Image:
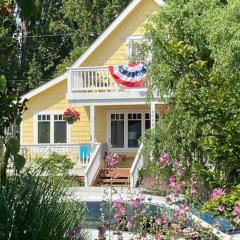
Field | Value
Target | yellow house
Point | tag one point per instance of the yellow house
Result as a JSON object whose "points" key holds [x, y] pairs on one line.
{"points": [[112, 117]]}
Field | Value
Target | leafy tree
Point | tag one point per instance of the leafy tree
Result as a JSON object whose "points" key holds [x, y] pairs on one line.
{"points": [[196, 62], [48, 33]]}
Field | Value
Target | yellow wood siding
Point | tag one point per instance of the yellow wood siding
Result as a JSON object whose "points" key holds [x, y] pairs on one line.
{"points": [[54, 99], [114, 49]]}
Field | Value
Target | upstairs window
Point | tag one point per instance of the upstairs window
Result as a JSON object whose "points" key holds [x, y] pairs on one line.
{"points": [[51, 128], [134, 49]]}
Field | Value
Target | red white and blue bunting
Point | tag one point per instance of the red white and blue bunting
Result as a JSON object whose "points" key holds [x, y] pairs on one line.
{"points": [[131, 75]]}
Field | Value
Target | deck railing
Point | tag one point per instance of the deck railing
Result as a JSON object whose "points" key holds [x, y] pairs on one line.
{"points": [[93, 167], [91, 79], [80, 154], [137, 165]]}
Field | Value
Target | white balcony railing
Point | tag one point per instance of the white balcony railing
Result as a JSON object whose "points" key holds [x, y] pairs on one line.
{"points": [[80, 154], [91, 79]]}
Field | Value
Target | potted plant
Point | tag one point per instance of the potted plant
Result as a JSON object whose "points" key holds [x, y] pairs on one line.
{"points": [[71, 116]]}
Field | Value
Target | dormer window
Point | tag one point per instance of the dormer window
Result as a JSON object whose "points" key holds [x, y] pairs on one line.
{"points": [[133, 49]]}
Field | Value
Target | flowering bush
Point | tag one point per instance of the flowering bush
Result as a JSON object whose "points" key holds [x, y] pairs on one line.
{"points": [[225, 204], [71, 115], [112, 161]]}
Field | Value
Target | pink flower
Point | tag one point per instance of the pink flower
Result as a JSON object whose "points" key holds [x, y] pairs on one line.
{"points": [[181, 172], [130, 223], [118, 203], [122, 210], [158, 237], [236, 210], [175, 164], [172, 184], [137, 201], [158, 221], [216, 193], [178, 188], [172, 178], [221, 208], [193, 191], [112, 161], [180, 211], [118, 216], [164, 159]]}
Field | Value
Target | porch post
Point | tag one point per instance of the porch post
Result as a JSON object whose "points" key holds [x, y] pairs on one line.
{"points": [[153, 122], [153, 115], [92, 123]]}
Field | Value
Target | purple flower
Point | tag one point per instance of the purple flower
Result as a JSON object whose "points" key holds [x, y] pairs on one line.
{"points": [[236, 210], [101, 232], [72, 232], [164, 159], [216, 193]]}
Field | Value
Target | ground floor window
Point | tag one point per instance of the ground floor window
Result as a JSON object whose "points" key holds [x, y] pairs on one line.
{"points": [[127, 128], [51, 128]]}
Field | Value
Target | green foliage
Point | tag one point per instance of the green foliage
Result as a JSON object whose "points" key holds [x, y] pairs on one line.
{"points": [[86, 20], [11, 112], [34, 209], [57, 164], [49, 36], [195, 61], [229, 201]]}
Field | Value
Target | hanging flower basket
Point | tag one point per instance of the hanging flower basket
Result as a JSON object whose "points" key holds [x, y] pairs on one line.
{"points": [[71, 116]]}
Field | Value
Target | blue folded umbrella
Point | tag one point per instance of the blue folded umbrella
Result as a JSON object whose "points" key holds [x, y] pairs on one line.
{"points": [[84, 152]]}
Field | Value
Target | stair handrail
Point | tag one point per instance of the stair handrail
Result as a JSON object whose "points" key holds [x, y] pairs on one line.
{"points": [[93, 166], [137, 165]]}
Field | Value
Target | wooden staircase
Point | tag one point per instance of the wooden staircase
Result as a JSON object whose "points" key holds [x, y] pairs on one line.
{"points": [[116, 177]]}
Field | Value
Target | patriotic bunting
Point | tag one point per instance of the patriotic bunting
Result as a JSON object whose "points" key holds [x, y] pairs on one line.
{"points": [[131, 75]]}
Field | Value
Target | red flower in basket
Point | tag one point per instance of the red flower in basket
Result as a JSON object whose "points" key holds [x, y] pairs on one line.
{"points": [[71, 116]]}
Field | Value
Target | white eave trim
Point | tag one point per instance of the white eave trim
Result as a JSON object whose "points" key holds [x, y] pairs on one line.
{"points": [[44, 86], [108, 31], [90, 50]]}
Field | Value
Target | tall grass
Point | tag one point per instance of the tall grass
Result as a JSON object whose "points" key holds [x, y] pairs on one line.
{"points": [[37, 211]]}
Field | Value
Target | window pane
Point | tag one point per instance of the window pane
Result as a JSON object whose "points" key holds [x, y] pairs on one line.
{"points": [[117, 134], [134, 133], [147, 124], [43, 132], [60, 132]]}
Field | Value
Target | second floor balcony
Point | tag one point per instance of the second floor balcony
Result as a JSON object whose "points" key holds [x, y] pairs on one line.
{"points": [[97, 83]]}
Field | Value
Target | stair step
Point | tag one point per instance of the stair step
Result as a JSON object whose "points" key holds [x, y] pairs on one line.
{"points": [[115, 180], [110, 175]]}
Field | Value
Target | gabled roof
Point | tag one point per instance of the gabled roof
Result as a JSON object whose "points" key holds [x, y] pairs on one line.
{"points": [[91, 49]]}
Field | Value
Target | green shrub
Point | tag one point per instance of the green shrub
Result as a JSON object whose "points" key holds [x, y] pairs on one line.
{"points": [[227, 201], [32, 208], [57, 164]]}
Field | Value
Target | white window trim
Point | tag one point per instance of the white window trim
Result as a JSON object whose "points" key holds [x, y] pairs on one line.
{"points": [[132, 38], [125, 112], [51, 113]]}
